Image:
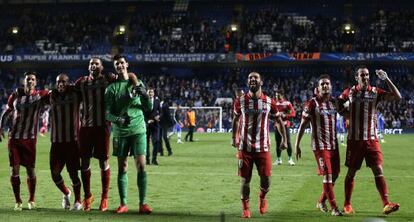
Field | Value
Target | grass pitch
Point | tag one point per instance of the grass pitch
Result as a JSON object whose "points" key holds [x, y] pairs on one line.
{"points": [[200, 183]]}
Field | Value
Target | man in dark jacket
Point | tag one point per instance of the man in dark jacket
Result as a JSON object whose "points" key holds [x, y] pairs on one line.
{"points": [[166, 122], [152, 119]]}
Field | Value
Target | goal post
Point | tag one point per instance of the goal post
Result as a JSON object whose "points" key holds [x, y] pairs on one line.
{"points": [[206, 116]]}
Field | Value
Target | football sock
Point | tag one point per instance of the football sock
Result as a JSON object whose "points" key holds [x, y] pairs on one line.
{"points": [[77, 191], [322, 198], [278, 152], [123, 187], [15, 182], [382, 189], [349, 186], [62, 187], [142, 186], [289, 150], [263, 193], [245, 204], [328, 189], [105, 178], [31, 184], [76, 185], [86, 181]]}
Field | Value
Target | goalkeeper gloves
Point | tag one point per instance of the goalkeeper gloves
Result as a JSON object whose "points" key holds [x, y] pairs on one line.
{"points": [[140, 90]]}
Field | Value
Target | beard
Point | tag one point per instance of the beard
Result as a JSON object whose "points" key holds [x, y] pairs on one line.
{"points": [[254, 88]]}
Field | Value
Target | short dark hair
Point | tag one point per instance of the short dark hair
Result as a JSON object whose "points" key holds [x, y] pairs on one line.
{"points": [[280, 91], [119, 56], [95, 57], [324, 76], [360, 67], [30, 73]]}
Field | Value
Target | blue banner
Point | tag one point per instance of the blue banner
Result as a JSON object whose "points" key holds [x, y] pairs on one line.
{"points": [[215, 57], [144, 58]]}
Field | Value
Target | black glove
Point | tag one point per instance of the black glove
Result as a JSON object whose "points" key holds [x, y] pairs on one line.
{"points": [[140, 90]]}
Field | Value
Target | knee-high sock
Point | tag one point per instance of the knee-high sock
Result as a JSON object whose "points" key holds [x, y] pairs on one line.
{"points": [[329, 193], [142, 186], [62, 187], [105, 178], [86, 181], [382, 189], [245, 204], [31, 185], [349, 187], [263, 192], [15, 182], [76, 185], [322, 198], [123, 187], [77, 191]]}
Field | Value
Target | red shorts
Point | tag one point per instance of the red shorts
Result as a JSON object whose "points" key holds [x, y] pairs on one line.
{"points": [[62, 154], [22, 152], [262, 160], [359, 150], [94, 142], [328, 161]]}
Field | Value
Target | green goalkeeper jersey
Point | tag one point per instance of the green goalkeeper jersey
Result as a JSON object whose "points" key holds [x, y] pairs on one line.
{"points": [[119, 104]]}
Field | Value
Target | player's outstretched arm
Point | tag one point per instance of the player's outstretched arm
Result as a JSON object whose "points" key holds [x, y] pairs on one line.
{"points": [[301, 131], [395, 93]]}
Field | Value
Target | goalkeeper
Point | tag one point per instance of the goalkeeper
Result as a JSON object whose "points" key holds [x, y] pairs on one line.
{"points": [[124, 107]]}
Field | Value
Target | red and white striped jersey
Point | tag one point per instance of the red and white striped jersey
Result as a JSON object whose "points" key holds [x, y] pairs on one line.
{"points": [[363, 111], [323, 123], [254, 119], [287, 108], [65, 115], [25, 112], [92, 95]]}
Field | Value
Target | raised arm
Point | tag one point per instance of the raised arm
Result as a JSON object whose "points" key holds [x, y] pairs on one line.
{"points": [[394, 94]]}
